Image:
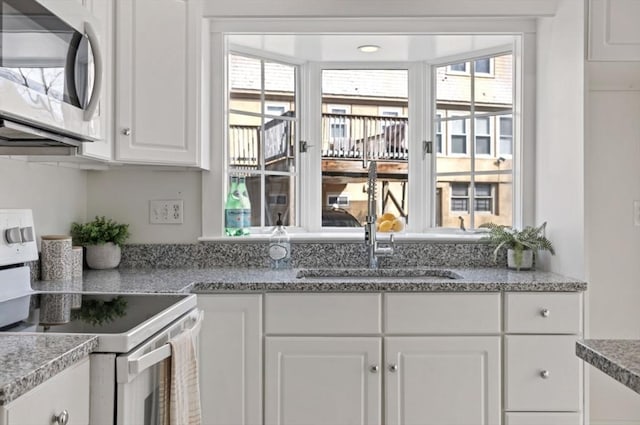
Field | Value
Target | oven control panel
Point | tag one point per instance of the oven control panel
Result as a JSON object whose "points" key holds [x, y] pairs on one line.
{"points": [[17, 237]]}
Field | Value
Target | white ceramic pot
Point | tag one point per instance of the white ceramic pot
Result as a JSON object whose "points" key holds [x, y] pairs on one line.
{"points": [[525, 264], [103, 256]]}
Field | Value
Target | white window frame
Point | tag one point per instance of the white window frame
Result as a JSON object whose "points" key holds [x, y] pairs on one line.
{"points": [[214, 83]]}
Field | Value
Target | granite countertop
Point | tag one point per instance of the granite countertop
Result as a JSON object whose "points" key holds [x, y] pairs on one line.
{"points": [[618, 358], [29, 360], [258, 279]]}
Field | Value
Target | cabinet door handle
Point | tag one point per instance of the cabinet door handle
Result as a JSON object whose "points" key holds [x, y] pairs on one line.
{"points": [[62, 418], [126, 132], [544, 374], [374, 368], [545, 312], [393, 368]]}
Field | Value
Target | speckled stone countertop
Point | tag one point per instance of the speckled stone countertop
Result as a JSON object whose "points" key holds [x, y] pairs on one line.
{"points": [[618, 358], [29, 360], [252, 279]]}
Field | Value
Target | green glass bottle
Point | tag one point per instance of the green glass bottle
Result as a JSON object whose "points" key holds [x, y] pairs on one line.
{"points": [[245, 206], [233, 215]]}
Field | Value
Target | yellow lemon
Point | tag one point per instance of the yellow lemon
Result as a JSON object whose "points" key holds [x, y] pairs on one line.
{"points": [[385, 226], [397, 225], [388, 216]]}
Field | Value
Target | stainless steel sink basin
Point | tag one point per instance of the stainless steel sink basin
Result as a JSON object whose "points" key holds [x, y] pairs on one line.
{"points": [[359, 273]]}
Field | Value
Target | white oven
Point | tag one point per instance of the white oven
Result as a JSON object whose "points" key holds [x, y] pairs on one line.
{"points": [[133, 329], [51, 73]]}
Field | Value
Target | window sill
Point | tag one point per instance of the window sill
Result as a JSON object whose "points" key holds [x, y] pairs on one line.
{"points": [[435, 236]]}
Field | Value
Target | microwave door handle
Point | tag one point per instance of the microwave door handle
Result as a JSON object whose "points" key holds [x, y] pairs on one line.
{"points": [[137, 366], [99, 67]]}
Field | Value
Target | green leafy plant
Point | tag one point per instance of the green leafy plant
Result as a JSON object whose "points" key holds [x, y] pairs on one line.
{"points": [[98, 312], [529, 238], [99, 231]]}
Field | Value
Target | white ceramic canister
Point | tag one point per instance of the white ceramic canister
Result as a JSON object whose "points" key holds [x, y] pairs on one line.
{"points": [[56, 258]]}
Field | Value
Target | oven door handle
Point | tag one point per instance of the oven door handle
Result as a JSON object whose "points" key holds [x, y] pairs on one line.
{"points": [[140, 364]]}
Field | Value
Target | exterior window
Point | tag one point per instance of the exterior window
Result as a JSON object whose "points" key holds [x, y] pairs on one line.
{"points": [[262, 135], [483, 199], [438, 133], [483, 66], [334, 200], [459, 137], [460, 197], [506, 136], [483, 136], [458, 67]]}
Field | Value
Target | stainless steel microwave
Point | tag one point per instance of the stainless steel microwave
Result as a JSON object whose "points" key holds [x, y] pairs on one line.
{"points": [[51, 74]]}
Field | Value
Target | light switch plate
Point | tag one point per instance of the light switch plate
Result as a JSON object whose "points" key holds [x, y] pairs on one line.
{"points": [[166, 211]]}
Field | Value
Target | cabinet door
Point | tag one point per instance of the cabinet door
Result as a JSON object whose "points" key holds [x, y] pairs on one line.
{"points": [[157, 80], [614, 34], [231, 359], [442, 380], [103, 149], [322, 380], [68, 390]]}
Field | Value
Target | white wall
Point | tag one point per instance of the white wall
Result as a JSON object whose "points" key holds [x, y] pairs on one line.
{"points": [[57, 195], [559, 136], [124, 194], [612, 182]]}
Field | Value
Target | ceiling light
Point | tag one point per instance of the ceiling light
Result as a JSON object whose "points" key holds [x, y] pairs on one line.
{"points": [[369, 48]]}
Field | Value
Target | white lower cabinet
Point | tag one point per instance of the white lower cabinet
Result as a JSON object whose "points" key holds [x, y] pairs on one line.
{"points": [[68, 391], [392, 359], [442, 380], [323, 380], [231, 359]]}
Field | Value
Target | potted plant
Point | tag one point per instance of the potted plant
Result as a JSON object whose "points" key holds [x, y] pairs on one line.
{"points": [[522, 245], [103, 239]]}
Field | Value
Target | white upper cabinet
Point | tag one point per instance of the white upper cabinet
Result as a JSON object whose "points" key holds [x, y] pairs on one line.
{"points": [[614, 33], [157, 82], [103, 149]]}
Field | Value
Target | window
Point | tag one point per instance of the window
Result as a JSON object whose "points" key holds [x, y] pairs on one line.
{"points": [[472, 125], [438, 124], [478, 110], [337, 200], [483, 136], [460, 197], [262, 134], [483, 199], [481, 66], [459, 137], [506, 136]]}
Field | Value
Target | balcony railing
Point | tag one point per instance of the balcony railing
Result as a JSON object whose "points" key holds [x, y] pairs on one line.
{"points": [[349, 137]]}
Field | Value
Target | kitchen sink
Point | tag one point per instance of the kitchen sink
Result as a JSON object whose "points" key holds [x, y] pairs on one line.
{"points": [[377, 273]]}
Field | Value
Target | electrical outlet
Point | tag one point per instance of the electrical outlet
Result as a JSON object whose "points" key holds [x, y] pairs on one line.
{"points": [[166, 211], [636, 213]]}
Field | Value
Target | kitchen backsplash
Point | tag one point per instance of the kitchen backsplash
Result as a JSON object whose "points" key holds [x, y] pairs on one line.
{"points": [[344, 254]]}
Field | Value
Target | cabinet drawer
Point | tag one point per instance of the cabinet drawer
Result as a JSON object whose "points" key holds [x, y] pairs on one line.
{"points": [[528, 387], [529, 418], [68, 390], [442, 313], [313, 314], [559, 313]]}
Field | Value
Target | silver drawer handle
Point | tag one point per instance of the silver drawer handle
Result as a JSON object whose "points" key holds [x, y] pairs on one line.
{"points": [[544, 374], [62, 418], [374, 368], [393, 368], [545, 312], [126, 132]]}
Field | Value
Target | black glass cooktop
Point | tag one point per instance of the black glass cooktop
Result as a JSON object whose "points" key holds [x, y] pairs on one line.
{"points": [[82, 313]]}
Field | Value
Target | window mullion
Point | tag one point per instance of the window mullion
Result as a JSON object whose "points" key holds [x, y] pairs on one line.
{"points": [[472, 124]]}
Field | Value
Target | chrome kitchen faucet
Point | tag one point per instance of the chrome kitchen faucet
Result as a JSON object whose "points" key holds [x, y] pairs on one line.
{"points": [[370, 240]]}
